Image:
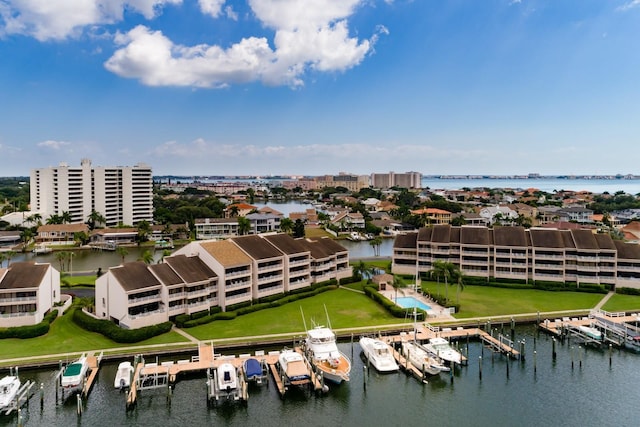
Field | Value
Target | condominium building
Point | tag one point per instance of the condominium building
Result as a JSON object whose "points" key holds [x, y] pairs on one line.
{"points": [[206, 274], [122, 194], [351, 182], [578, 256], [392, 179], [27, 292]]}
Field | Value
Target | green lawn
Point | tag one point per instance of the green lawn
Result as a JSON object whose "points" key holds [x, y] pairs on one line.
{"points": [[80, 280], [477, 301], [67, 337], [346, 309], [619, 302]]}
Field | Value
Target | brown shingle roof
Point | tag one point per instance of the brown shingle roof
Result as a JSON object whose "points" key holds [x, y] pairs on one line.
{"points": [[627, 250], [68, 228], [406, 241], [134, 275], [191, 269], [166, 274], [22, 275], [226, 253], [256, 247], [474, 235], [509, 236], [584, 239], [286, 243], [424, 234], [605, 241], [441, 234], [546, 238], [323, 247]]}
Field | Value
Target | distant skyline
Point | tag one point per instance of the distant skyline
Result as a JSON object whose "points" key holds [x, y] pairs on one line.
{"points": [[312, 87]]}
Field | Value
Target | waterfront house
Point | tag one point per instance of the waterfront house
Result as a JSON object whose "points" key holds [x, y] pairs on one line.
{"points": [[60, 234], [264, 222], [216, 228], [433, 215], [28, 291]]}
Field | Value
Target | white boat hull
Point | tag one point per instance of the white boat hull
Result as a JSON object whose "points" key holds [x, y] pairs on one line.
{"points": [[123, 375], [420, 359], [379, 354], [9, 387]]}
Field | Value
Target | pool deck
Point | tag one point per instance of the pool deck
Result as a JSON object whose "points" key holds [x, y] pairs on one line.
{"points": [[437, 312]]}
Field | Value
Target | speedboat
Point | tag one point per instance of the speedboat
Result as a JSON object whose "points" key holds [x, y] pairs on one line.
{"points": [[442, 349], [227, 378], [422, 360], [123, 376], [379, 354], [74, 374], [293, 367], [324, 355], [9, 387]]}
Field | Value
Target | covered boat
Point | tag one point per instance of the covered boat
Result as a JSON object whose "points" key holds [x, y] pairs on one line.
{"points": [[254, 371], [74, 374]]}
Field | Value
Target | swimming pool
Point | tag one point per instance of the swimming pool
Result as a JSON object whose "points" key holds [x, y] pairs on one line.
{"points": [[410, 302]]}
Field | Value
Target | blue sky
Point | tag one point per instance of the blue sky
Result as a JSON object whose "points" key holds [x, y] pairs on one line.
{"points": [[307, 87]]}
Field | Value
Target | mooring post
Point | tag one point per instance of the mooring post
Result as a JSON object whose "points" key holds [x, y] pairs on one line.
{"points": [[352, 346], [580, 356], [41, 396], [535, 360], [364, 378], [480, 367], [610, 355], [571, 357], [453, 366], [78, 404], [553, 348], [513, 329], [507, 367]]}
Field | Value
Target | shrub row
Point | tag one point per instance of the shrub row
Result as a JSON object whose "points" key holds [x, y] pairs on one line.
{"points": [[628, 291], [30, 331], [246, 308], [390, 306], [351, 279], [114, 332]]}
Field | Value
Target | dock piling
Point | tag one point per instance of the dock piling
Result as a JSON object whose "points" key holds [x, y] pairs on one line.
{"points": [[610, 347], [553, 349], [535, 357], [480, 367]]}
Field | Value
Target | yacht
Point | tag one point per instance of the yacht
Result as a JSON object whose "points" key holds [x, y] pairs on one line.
{"points": [[323, 353], [421, 359], [442, 349], [379, 354], [123, 376]]}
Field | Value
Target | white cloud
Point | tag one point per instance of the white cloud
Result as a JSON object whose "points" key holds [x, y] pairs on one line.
{"points": [[53, 145], [231, 14], [308, 36], [211, 7], [629, 5], [60, 19]]}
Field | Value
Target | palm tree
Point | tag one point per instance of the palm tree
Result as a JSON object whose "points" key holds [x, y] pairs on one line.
{"points": [[286, 225], [165, 253], [65, 216], [458, 278], [61, 256], [26, 235], [144, 230], [439, 269], [2, 258], [95, 218], [146, 257], [36, 219], [375, 243], [123, 252], [397, 283], [362, 270], [244, 225], [54, 219], [9, 255]]}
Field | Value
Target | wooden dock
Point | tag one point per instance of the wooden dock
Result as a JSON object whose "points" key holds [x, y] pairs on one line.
{"points": [[94, 365], [407, 366]]}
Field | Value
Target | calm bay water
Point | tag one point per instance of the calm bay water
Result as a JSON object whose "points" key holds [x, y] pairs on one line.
{"points": [[595, 394]]}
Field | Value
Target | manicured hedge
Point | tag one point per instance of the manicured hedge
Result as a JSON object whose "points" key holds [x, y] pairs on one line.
{"points": [[351, 279], [628, 291], [116, 333], [30, 331]]}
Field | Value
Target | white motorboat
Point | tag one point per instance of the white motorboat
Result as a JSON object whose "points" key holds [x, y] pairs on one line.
{"points": [[442, 349], [379, 354], [9, 387], [323, 353], [294, 367], [74, 374], [421, 359], [227, 378], [123, 376], [591, 332]]}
